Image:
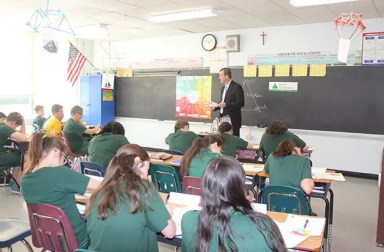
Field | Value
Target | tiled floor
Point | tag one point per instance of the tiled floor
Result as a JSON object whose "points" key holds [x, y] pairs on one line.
{"points": [[355, 215]]}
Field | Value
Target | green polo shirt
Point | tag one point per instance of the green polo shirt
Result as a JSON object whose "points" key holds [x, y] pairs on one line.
{"points": [[7, 157], [181, 140], [288, 171], [74, 132], [231, 143], [39, 121], [103, 148], [57, 186], [269, 142], [124, 231], [245, 234], [200, 161]]}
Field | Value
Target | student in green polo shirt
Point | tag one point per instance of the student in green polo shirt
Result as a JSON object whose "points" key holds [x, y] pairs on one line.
{"points": [[231, 142], [39, 121], [8, 129], [182, 139], [103, 147], [276, 132], [74, 129], [199, 154], [287, 167], [2, 117], [47, 181], [126, 212], [226, 221]]}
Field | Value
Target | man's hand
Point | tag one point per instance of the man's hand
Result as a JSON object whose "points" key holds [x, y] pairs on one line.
{"points": [[221, 105]]}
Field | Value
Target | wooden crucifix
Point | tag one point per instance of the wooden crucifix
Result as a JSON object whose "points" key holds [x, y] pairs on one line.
{"points": [[263, 35]]}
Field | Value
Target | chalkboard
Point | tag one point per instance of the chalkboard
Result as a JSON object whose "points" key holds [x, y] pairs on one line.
{"points": [[347, 99]]}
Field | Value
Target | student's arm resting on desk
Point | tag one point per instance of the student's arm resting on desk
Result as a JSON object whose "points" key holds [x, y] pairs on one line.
{"points": [[95, 130], [19, 137], [307, 185], [93, 185]]}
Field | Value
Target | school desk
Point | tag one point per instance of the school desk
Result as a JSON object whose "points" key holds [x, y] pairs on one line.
{"points": [[321, 190]]}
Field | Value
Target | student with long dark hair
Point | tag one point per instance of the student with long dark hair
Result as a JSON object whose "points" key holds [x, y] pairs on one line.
{"points": [[103, 147], [276, 132], [126, 212], [182, 138], [199, 154], [227, 221], [48, 181], [287, 167]]}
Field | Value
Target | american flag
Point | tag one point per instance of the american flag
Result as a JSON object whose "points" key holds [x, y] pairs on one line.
{"points": [[75, 63]]}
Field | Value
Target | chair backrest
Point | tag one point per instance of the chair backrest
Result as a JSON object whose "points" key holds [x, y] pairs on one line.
{"points": [[285, 199], [192, 185], [166, 178], [173, 152], [68, 146], [91, 168], [51, 228]]}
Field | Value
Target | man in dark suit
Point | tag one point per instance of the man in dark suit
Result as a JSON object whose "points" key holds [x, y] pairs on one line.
{"points": [[232, 99]]}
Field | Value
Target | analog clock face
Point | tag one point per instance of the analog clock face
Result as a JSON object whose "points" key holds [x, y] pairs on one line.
{"points": [[208, 42]]}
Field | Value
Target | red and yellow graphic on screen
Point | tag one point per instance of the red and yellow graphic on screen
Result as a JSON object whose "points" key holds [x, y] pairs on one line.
{"points": [[192, 93]]}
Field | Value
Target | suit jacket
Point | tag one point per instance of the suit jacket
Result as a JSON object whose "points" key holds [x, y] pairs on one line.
{"points": [[234, 101]]}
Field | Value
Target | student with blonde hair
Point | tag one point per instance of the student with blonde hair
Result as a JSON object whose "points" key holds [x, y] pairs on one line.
{"points": [[182, 138], [48, 181], [126, 212]]}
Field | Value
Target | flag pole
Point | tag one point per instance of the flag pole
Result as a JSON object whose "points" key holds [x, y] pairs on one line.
{"points": [[83, 55]]}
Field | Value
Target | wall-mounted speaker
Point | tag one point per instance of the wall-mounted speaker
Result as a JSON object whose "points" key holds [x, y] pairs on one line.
{"points": [[233, 43]]}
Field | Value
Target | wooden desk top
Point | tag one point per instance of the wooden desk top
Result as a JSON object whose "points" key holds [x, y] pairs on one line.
{"points": [[264, 174]]}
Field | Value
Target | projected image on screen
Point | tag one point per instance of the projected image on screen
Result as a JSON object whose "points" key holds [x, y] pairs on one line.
{"points": [[192, 93]]}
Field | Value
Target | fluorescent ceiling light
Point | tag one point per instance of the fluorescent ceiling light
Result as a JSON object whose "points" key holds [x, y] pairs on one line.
{"points": [[301, 3], [183, 16]]}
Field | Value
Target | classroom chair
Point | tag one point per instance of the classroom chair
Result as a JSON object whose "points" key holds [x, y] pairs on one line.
{"points": [[91, 168], [12, 231], [173, 152], [192, 185], [6, 172], [51, 228], [285, 199], [73, 157], [166, 178]]}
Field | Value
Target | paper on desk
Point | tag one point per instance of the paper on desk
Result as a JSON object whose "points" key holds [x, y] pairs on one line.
{"points": [[329, 175], [291, 240], [211, 104], [187, 203], [296, 223], [318, 170], [258, 207], [252, 168], [81, 208]]}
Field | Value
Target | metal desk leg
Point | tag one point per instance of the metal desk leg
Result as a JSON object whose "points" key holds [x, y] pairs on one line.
{"points": [[330, 218]]}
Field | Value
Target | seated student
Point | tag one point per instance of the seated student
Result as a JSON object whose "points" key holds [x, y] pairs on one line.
{"points": [[8, 130], [47, 181], [226, 221], [287, 167], [231, 142], [38, 122], [74, 130], [53, 125], [182, 139], [276, 132], [126, 212], [199, 154], [2, 117], [103, 147]]}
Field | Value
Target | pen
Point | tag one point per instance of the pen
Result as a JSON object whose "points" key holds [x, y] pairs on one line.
{"points": [[306, 223]]}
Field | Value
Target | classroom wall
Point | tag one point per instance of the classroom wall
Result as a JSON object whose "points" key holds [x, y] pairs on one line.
{"points": [[341, 151]]}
